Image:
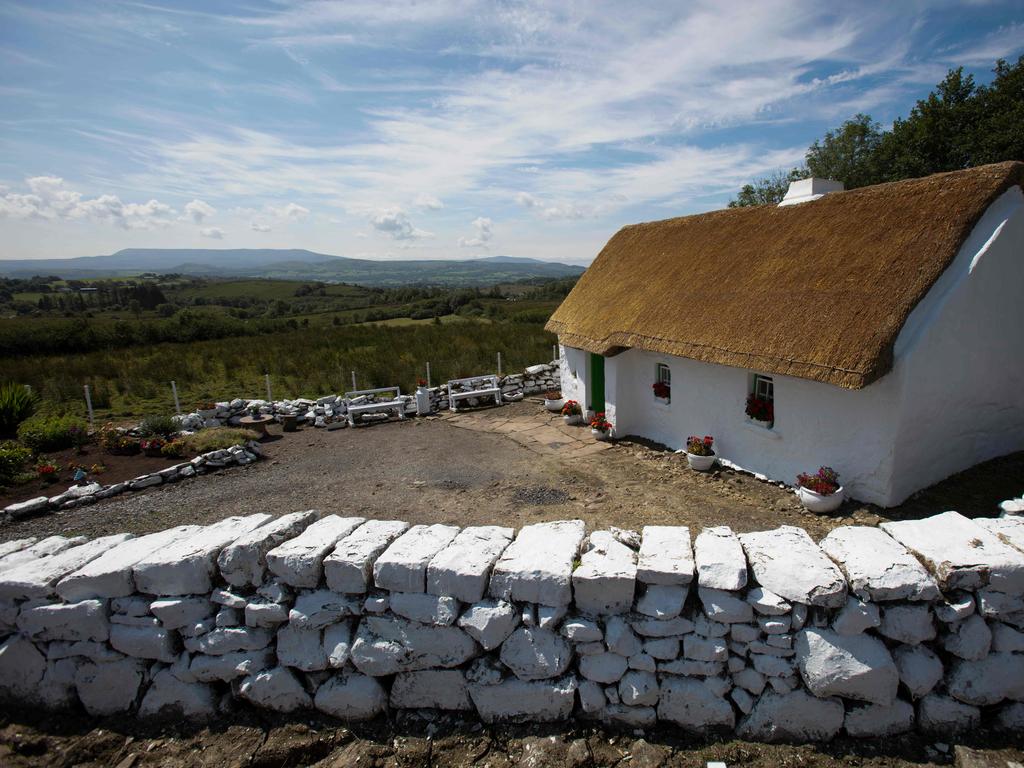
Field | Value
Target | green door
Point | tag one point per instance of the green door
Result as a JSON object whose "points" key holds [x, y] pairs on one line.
{"points": [[596, 383]]}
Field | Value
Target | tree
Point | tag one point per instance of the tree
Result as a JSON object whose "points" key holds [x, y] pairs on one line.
{"points": [[999, 129], [847, 154], [768, 190]]}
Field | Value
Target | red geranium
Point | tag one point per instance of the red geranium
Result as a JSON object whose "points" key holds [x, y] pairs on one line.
{"points": [[700, 446], [824, 482], [600, 423], [662, 389], [760, 409]]}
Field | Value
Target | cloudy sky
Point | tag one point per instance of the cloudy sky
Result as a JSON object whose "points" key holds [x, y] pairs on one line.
{"points": [[435, 129]]}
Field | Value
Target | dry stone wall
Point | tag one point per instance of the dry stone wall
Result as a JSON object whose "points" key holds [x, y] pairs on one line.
{"points": [[872, 631]]}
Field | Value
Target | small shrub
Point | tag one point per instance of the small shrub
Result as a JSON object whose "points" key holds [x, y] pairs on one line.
{"points": [[211, 439], [162, 425], [12, 458], [16, 404], [53, 433], [116, 441]]}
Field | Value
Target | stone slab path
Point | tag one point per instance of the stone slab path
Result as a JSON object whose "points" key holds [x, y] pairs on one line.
{"points": [[541, 432]]}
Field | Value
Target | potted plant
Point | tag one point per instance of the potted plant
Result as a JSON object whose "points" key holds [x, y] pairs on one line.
{"points": [[116, 441], [553, 400], [699, 452], [422, 398], [820, 492], [572, 412], [662, 390], [153, 446], [761, 410], [600, 427]]}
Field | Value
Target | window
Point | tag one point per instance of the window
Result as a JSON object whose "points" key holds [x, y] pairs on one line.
{"points": [[663, 382], [761, 401]]}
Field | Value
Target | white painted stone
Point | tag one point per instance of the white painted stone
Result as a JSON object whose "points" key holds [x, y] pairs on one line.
{"points": [[109, 688], [663, 648], [277, 689], [349, 567], [376, 604], [317, 609], [693, 706], [351, 696], [1010, 718], [38, 577], [267, 615], [704, 649], [743, 633], [909, 624], [537, 567], [28, 507], [877, 720], [772, 666], [230, 640], [592, 698], [622, 716], [620, 637], [719, 559], [244, 561], [789, 563], [970, 639], [960, 553], [638, 689], [920, 670], [301, 648], [773, 625], [535, 654], [299, 562], [228, 617], [666, 557], [56, 691], [489, 622], [724, 607], [877, 567], [227, 667], [1009, 529], [16, 545], [85, 620], [402, 567], [154, 643], [642, 662], [660, 627], [996, 605], [168, 696], [855, 667], [228, 599], [517, 700], [602, 667], [580, 629], [463, 569], [691, 668], [799, 614], [585, 649], [110, 574], [988, 681], [424, 608], [431, 689], [176, 612], [743, 701], [662, 601], [795, 716], [549, 617], [856, 616], [386, 645], [47, 547], [750, 680], [946, 717], [1005, 639], [22, 667], [187, 566], [766, 602], [84, 648], [605, 580]]}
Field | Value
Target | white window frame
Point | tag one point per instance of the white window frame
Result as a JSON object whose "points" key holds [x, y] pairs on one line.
{"points": [[663, 373], [762, 387]]}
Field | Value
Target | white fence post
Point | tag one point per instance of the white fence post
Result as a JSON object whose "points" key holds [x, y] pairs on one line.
{"points": [[88, 404], [354, 387], [177, 404], [554, 351], [270, 397], [428, 374], [499, 363]]}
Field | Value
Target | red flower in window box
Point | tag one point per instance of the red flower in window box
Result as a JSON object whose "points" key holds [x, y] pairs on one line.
{"points": [[662, 389], [760, 409]]}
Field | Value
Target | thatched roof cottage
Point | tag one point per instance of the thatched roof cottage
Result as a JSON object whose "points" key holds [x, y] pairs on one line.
{"points": [[879, 331]]}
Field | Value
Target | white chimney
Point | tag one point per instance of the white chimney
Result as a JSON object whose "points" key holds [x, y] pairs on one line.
{"points": [[805, 190]]}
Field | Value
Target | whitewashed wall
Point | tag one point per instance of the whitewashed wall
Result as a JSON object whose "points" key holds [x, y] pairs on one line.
{"points": [[954, 398]]}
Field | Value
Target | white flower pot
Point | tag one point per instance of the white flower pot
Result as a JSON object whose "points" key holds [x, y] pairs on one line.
{"points": [[700, 463], [576, 418], [422, 401], [554, 405], [599, 435], [815, 502]]}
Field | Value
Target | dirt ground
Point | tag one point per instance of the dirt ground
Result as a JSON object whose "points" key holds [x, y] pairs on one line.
{"points": [[430, 470], [247, 739]]}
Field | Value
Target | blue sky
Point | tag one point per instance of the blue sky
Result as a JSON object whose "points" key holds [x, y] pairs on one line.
{"points": [[436, 129]]}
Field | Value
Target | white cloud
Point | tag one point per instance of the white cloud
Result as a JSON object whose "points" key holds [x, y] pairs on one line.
{"points": [[197, 210], [395, 223], [50, 199], [259, 226], [215, 233], [291, 211], [527, 200], [428, 202], [484, 233]]}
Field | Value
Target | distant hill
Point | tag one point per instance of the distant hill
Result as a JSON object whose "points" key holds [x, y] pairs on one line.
{"points": [[293, 264]]}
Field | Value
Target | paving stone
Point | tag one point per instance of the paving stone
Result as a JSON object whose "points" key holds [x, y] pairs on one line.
{"points": [[444, 689], [666, 557], [187, 566], [693, 706], [852, 666], [110, 574], [877, 567], [402, 567], [351, 696], [516, 700], [961, 554], [719, 559], [299, 562], [244, 561], [38, 577], [387, 645], [535, 654], [789, 563], [489, 622], [537, 566], [462, 570], [795, 716], [349, 568]]}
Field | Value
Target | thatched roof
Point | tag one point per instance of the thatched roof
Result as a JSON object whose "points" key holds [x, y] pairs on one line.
{"points": [[818, 290]]}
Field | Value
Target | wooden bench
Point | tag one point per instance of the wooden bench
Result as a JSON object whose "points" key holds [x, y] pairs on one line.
{"points": [[473, 386], [362, 401]]}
